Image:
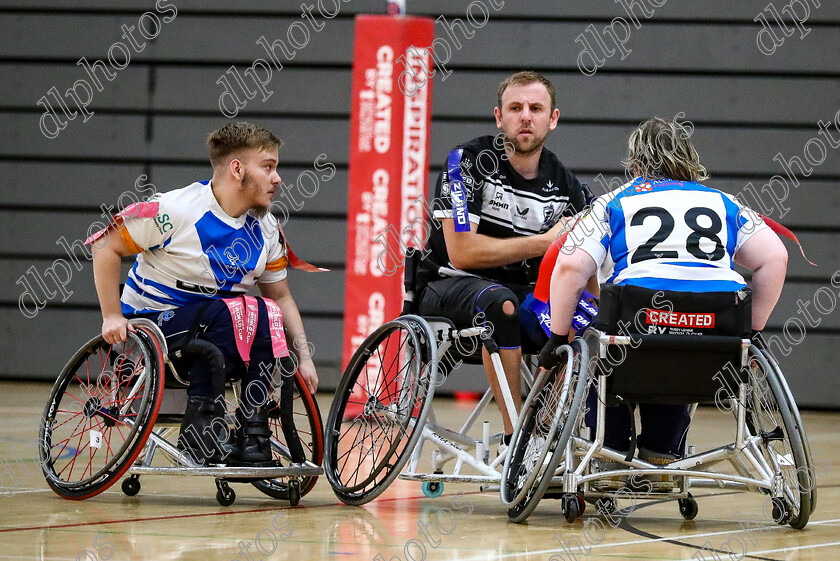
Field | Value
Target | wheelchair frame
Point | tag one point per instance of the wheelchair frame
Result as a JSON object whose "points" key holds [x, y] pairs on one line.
{"points": [[428, 338], [758, 465], [146, 375]]}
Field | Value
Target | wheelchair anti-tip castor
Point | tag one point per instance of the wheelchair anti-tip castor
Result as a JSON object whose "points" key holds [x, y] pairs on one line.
{"points": [[432, 489], [224, 494], [294, 492], [688, 507], [781, 511], [570, 507], [131, 485], [605, 505]]}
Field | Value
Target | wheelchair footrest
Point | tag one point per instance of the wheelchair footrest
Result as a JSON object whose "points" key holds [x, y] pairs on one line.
{"points": [[233, 472], [443, 478]]}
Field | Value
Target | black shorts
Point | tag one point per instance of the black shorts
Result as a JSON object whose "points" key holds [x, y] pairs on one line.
{"points": [[463, 299]]}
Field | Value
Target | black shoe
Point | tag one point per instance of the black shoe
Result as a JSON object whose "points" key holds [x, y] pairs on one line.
{"points": [[253, 437], [205, 435]]}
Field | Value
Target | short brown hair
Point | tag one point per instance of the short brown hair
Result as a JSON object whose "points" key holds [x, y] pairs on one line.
{"points": [[523, 79], [239, 135], [662, 148]]}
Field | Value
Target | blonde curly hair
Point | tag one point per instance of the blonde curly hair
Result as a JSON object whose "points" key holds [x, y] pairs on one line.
{"points": [[662, 149]]}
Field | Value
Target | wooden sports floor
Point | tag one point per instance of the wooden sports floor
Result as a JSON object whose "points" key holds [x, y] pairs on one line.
{"points": [[179, 518]]}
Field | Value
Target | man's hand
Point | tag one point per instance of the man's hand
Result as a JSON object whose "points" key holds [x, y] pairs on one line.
{"points": [[558, 229], [548, 356], [115, 329], [310, 377]]}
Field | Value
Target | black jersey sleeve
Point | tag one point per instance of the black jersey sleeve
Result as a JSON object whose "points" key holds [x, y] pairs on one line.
{"points": [[578, 193], [458, 191]]}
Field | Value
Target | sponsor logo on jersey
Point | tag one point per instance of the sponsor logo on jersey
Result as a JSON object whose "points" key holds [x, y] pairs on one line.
{"points": [[679, 319], [522, 211], [459, 205], [550, 187], [497, 203], [644, 187]]}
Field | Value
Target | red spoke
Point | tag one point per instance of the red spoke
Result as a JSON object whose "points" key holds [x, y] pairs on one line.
{"points": [[108, 441], [59, 425], [79, 450], [66, 441]]}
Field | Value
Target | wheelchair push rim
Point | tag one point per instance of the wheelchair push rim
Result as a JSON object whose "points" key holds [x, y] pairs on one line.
{"points": [[99, 414], [387, 386], [566, 418], [538, 420]]}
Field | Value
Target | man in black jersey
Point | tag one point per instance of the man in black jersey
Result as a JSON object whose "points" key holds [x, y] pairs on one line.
{"points": [[499, 203]]}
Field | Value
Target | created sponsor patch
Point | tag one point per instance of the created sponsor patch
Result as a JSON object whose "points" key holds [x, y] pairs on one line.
{"points": [[679, 319]]}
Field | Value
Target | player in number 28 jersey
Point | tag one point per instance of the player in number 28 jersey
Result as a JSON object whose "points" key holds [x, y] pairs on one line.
{"points": [[663, 231], [666, 235]]}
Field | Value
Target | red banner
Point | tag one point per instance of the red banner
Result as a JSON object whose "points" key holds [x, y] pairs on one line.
{"points": [[389, 162]]}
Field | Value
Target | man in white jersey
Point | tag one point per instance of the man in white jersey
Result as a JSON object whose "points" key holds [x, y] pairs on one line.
{"points": [[199, 250], [664, 231]]}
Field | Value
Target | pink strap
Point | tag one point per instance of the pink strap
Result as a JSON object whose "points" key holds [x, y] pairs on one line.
{"points": [[147, 209], [244, 314], [275, 326]]}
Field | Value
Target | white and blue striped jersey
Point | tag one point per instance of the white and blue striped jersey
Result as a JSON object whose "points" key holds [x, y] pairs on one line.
{"points": [[189, 250], [666, 235]]}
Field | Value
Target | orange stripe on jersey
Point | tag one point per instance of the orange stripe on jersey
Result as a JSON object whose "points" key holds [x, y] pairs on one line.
{"points": [[277, 265], [126, 237]]}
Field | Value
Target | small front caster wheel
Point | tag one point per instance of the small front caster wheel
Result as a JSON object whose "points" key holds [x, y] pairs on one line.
{"points": [[131, 485], [688, 507], [294, 492], [781, 511], [224, 494], [432, 489], [570, 507]]}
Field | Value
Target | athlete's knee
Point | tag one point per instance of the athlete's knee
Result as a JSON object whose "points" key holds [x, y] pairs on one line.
{"points": [[501, 310], [509, 308]]}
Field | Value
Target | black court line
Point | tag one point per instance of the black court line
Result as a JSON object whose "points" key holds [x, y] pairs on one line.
{"points": [[628, 527]]}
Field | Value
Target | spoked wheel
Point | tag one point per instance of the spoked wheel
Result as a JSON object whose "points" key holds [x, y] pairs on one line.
{"points": [[798, 421], [100, 413], [549, 416], [771, 416], [379, 409], [307, 421]]}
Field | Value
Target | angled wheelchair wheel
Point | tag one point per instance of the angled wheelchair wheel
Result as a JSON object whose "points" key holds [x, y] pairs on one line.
{"points": [[797, 421], [552, 412], [379, 409], [100, 413], [307, 421], [772, 416]]}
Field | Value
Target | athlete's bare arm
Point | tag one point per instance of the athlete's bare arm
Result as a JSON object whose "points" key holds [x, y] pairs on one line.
{"points": [[766, 255], [471, 250], [107, 251], [295, 335]]}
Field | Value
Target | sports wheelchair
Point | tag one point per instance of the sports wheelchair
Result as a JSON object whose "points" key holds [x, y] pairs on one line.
{"points": [[108, 415], [554, 454], [382, 417]]}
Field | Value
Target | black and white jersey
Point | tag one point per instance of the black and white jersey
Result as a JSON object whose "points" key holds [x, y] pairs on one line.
{"points": [[478, 185]]}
